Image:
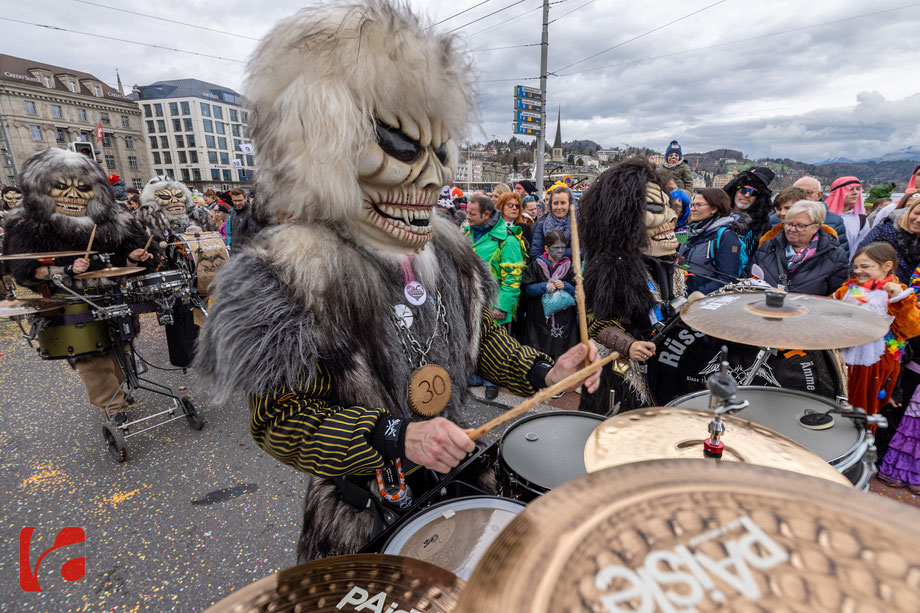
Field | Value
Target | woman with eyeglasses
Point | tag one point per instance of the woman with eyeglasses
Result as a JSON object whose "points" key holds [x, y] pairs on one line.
{"points": [[712, 250], [801, 255]]}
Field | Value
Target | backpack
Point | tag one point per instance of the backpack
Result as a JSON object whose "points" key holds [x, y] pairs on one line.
{"points": [[712, 249]]}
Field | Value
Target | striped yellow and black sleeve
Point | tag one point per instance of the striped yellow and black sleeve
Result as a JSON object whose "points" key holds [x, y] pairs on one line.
{"points": [[503, 360], [596, 325], [296, 425]]}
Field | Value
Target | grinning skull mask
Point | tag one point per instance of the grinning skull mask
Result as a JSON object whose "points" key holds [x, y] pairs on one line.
{"points": [[172, 197], [355, 112], [10, 197], [660, 219], [59, 184]]}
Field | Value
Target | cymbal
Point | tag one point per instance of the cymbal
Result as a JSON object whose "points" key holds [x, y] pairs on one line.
{"points": [[802, 322], [27, 306], [343, 583], [691, 535], [658, 433], [105, 273], [49, 255]]}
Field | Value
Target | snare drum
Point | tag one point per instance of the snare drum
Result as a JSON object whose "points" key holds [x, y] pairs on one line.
{"points": [[543, 451], [454, 534], [843, 445], [202, 254], [156, 284], [58, 339]]}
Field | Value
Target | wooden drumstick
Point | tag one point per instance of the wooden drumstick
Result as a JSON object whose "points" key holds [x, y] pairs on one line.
{"points": [[579, 284], [542, 395], [149, 240], [89, 247]]}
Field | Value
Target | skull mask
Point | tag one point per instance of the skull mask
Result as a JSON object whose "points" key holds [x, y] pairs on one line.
{"points": [[11, 198], [171, 200], [660, 220], [71, 196]]}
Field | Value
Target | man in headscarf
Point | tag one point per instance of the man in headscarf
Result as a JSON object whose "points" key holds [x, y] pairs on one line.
{"points": [[845, 199]]}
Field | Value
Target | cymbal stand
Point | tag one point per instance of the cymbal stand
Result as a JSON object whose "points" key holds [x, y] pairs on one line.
{"points": [[763, 355], [723, 390]]}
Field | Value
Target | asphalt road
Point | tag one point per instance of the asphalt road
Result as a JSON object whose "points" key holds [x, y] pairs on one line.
{"points": [[188, 519]]}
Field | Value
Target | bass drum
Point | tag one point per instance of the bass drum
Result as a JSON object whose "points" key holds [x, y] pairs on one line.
{"points": [[686, 357], [201, 254]]}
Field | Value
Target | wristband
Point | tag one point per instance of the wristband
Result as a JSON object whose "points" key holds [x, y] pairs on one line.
{"points": [[68, 270], [389, 436], [537, 375]]}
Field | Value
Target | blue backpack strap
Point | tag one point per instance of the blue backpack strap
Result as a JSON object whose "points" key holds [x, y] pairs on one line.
{"points": [[710, 252]]}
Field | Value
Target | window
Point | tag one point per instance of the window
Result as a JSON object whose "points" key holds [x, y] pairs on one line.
{"points": [[242, 174], [227, 176], [147, 111], [236, 144], [244, 132], [73, 86], [249, 160], [212, 157], [129, 142], [30, 107], [185, 175], [107, 140], [161, 125], [48, 81], [218, 112], [110, 161], [97, 91], [36, 132], [190, 139], [205, 109], [244, 116], [153, 142], [164, 142], [104, 118], [158, 110], [233, 116], [224, 158], [132, 162], [183, 159], [167, 157], [81, 114], [193, 157], [177, 125], [156, 158], [235, 129], [221, 142], [158, 172], [221, 127], [125, 121], [60, 135], [185, 109], [208, 125], [188, 125], [215, 174], [56, 111], [137, 183], [151, 127], [209, 141], [173, 108], [180, 141], [196, 174]]}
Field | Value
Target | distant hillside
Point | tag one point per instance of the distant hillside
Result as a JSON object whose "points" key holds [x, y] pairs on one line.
{"points": [[873, 172]]}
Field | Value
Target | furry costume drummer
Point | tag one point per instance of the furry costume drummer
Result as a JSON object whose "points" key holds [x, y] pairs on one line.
{"points": [[632, 285], [365, 302], [64, 194], [167, 208]]}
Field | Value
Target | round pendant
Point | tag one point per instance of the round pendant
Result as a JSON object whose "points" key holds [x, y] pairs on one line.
{"points": [[429, 390]]}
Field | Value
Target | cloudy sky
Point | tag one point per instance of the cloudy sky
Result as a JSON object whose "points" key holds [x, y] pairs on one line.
{"points": [[763, 77]]}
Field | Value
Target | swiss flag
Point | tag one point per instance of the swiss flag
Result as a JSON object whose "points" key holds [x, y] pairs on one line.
{"points": [[97, 132]]}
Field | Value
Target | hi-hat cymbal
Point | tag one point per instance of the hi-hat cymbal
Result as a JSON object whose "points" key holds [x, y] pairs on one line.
{"points": [[49, 255], [27, 306], [105, 273], [802, 322], [691, 535], [659, 433], [344, 583]]}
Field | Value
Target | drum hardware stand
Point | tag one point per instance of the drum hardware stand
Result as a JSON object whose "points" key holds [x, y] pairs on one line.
{"points": [[723, 390], [763, 355]]}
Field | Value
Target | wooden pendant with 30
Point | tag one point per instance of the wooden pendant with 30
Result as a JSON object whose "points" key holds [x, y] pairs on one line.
{"points": [[429, 390]]}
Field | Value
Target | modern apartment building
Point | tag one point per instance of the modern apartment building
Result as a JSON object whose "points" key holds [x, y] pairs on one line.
{"points": [[45, 106], [196, 132]]}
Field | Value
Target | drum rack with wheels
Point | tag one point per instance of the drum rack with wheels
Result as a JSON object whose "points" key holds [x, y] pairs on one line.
{"points": [[116, 428]]}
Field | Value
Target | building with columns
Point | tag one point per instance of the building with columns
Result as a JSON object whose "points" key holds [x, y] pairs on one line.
{"points": [[45, 106]]}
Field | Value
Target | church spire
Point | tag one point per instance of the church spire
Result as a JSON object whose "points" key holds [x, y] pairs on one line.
{"points": [[121, 90], [557, 144]]}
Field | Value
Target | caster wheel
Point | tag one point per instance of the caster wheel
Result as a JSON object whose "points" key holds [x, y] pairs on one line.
{"points": [[191, 414], [115, 442]]}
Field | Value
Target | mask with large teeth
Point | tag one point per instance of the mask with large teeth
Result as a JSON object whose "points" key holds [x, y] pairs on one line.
{"points": [[11, 198], [71, 196], [401, 174], [660, 220], [171, 200]]}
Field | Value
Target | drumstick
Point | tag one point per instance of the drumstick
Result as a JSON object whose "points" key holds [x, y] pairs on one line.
{"points": [[89, 247], [544, 394], [149, 239], [579, 285]]}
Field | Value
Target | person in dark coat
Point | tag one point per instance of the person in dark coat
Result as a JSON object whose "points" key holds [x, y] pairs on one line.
{"points": [[802, 255], [713, 250], [241, 226], [751, 204], [903, 232], [550, 272], [558, 219]]}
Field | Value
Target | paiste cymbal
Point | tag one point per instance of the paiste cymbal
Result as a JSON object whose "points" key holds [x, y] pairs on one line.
{"points": [[691, 535], [658, 433], [344, 583], [49, 255], [802, 322], [105, 273], [27, 306]]}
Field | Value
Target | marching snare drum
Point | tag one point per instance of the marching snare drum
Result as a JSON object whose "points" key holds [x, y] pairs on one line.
{"points": [[59, 339], [543, 451], [156, 284], [454, 534], [202, 254], [843, 445]]}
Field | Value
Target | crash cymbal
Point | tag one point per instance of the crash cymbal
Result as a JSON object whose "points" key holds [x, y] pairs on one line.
{"points": [[799, 322], [691, 535], [379, 582], [27, 306], [659, 433], [49, 255], [105, 273]]}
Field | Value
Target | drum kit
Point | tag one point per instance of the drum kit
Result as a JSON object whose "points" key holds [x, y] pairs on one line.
{"points": [[684, 507], [73, 325]]}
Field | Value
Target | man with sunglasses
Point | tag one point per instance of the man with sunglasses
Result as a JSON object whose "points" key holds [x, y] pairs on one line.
{"points": [[750, 194]]}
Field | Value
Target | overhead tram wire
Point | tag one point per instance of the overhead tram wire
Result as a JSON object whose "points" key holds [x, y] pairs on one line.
{"points": [[570, 12], [486, 16], [122, 40], [458, 14], [515, 18], [707, 7], [507, 47], [158, 18]]}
